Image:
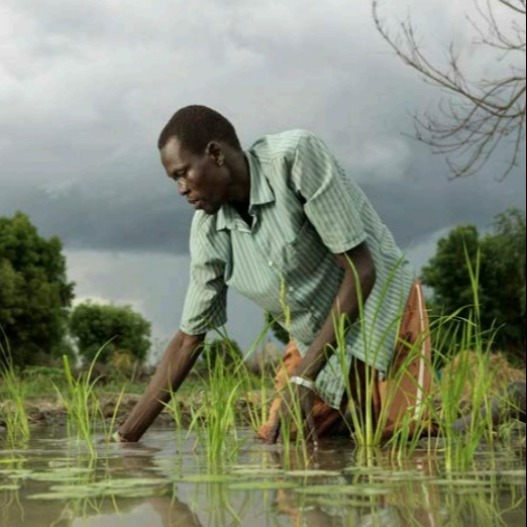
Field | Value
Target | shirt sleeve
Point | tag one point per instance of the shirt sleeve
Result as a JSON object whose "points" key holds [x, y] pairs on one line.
{"points": [[332, 201], [206, 299]]}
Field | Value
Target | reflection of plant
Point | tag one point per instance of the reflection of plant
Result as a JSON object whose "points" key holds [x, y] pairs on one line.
{"points": [[12, 474], [221, 510]]}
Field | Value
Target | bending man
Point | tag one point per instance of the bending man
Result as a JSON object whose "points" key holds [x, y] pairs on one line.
{"points": [[283, 224]]}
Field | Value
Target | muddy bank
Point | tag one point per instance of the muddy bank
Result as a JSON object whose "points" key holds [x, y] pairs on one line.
{"points": [[49, 411]]}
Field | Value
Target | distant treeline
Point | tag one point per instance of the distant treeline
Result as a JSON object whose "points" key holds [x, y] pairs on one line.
{"points": [[37, 322], [469, 274]]}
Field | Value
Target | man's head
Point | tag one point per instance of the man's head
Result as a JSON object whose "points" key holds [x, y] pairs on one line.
{"points": [[200, 150], [195, 127]]}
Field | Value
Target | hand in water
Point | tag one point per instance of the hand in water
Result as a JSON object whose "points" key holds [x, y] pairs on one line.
{"points": [[296, 405]]}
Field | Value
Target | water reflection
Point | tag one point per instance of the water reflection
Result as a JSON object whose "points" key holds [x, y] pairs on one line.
{"points": [[164, 486], [416, 493]]}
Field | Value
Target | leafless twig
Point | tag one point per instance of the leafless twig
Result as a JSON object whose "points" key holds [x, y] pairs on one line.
{"points": [[478, 116]]}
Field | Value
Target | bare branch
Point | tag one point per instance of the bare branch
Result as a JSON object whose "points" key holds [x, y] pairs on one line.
{"points": [[518, 6], [479, 116], [492, 34]]}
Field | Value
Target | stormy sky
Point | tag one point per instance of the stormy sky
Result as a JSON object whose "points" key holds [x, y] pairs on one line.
{"points": [[85, 88]]}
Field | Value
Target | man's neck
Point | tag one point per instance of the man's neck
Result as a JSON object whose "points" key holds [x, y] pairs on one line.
{"points": [[240, 193]]}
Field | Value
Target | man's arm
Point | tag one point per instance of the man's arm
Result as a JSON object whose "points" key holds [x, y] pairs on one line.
{"points": [[359, 272], [178, 359]]}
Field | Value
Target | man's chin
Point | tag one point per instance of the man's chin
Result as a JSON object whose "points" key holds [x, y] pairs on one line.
{"points": [[210, 208]]}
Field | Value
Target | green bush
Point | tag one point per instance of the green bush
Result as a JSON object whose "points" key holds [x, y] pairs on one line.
{"points": [[34, 292], [118, 328]]}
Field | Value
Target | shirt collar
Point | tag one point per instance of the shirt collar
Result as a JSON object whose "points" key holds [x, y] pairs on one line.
{"points": [[261, 193]]}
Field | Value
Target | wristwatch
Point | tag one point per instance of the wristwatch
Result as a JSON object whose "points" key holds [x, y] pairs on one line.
{"points": [[302, 381]]}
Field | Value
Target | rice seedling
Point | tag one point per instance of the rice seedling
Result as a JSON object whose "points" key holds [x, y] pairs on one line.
{"points": [[258, 395], [293, 433], [12, 411], [214, 422], [81, 404], [83, 409], [366, 428], [456, 335], [175, 410], [109, 428], [450, 335]]}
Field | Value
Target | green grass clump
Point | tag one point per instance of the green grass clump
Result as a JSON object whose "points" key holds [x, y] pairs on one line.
{"points": [[12, 410], [214, 421], [83, 409]]}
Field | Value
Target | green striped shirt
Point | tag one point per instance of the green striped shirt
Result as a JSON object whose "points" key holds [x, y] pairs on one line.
{"points": [[304, 209]]}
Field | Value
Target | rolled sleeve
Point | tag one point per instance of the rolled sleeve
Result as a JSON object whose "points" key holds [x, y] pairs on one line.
{"points": [[206, 299], [332, 203]]}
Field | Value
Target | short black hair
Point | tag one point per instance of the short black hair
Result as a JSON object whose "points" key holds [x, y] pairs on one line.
{"points": [[196, 126]]}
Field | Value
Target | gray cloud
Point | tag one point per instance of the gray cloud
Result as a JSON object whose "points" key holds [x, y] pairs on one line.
{"points": [[86, 87]]}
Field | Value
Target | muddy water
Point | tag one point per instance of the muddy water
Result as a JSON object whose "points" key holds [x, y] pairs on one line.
{"points": [[166, 481]]}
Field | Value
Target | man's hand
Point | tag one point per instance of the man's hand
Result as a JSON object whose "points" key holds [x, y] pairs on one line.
{"points": [[116, 437], [296, 409], [179, 357]]}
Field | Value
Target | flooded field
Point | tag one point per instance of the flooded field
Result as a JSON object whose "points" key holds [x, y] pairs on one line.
{"points": [[166, 481]]}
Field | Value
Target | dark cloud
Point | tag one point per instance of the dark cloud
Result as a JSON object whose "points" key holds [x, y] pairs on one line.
{"points": [[428, 201], [143, 212], [86, 87]]}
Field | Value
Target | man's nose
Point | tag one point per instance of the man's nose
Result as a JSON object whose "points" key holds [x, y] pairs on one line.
{"points": [[183, 188]]}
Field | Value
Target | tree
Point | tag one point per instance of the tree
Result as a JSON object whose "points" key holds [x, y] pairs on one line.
{"points": [[504, 254], [116, 329], [447, 272], [501, 287], [478, 116], [34, 292]]}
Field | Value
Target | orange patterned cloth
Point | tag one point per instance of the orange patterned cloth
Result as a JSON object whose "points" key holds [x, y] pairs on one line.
{"points": [[400, 396]]}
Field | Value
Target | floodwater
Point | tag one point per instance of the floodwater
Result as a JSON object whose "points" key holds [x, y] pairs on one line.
{"points": [[166, 481]]}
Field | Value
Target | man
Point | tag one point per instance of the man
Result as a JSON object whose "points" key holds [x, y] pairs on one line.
{"points": [[285, 226]]}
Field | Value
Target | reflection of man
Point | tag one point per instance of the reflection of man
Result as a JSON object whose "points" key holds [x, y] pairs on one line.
{"points": [[285, 226], [379, 500]]}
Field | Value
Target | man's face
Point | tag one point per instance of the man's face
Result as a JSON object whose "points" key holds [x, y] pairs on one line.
{"points": [[202, 179]]}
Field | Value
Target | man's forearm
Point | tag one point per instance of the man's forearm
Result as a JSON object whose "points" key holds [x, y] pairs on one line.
{"points": [[346, 302], [178, 359]]}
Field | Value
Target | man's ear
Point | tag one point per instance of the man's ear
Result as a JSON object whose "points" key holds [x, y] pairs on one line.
{"points": [[215, 151]]}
